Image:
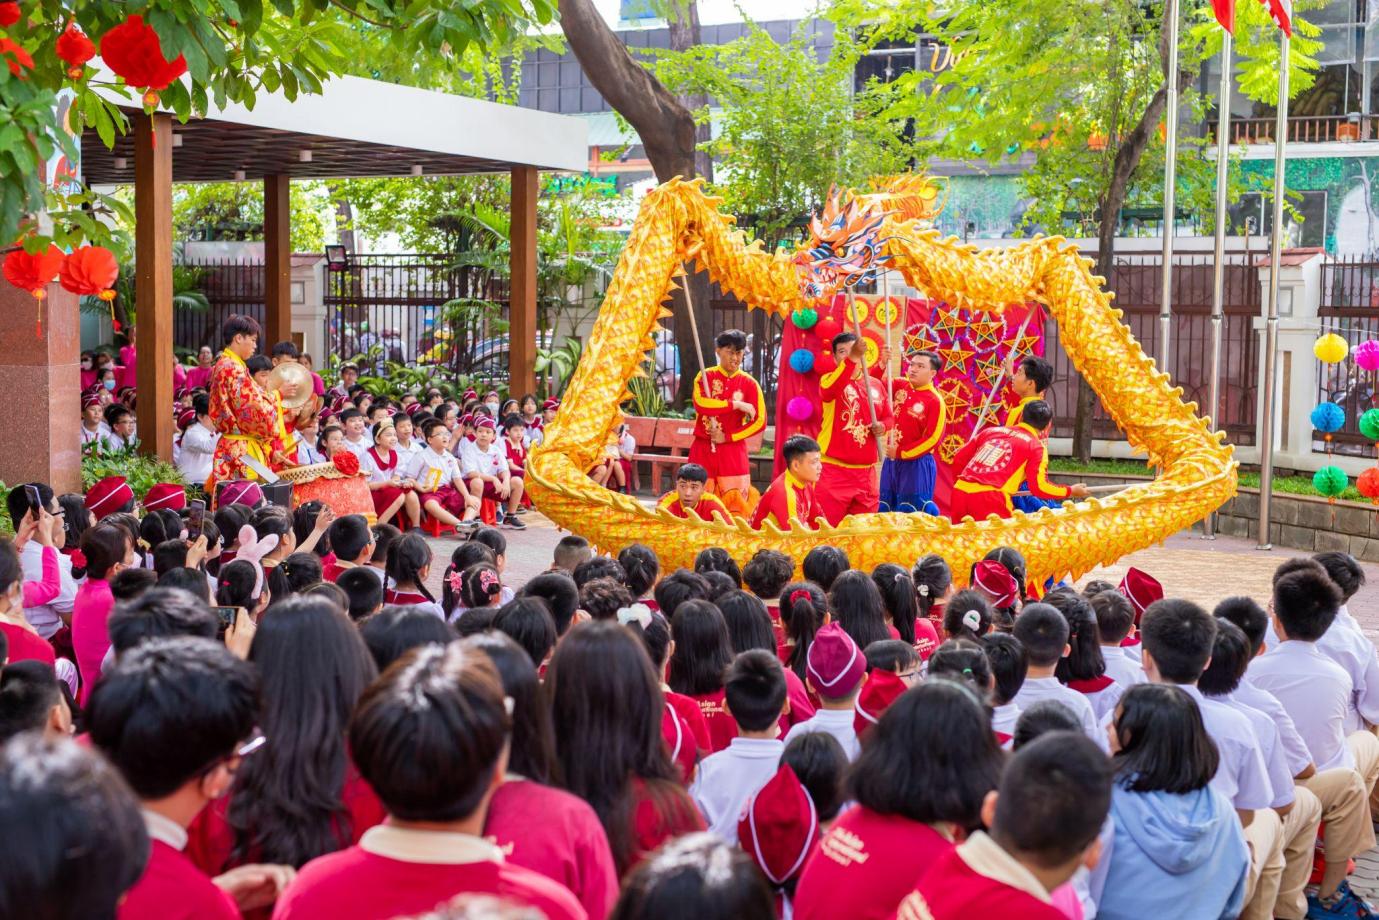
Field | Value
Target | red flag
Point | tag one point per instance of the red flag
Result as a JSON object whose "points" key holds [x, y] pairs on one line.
{"points": [[1225, 13], [1281, 11]]}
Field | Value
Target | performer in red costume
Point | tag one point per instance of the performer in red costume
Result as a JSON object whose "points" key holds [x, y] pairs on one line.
{"points": [[250, 419], [908, 475], [791, 499], [730, 409], [847, 436], [690, 498], [992, 466]]}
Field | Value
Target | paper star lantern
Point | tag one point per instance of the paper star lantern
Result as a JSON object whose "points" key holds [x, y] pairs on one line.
{"points": [[986, 331], [957, 397], [919, 338], [989, 369], [956, 358], [947, 322]]}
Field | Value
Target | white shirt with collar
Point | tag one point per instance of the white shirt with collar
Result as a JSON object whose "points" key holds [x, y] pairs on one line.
{"points": [[1003, 719], [198, 447], [1241, 776], [88, 436], [359, 448], [725, 781], [1345, 644], [1294, 748], [1049, 688], [836, 722], [447, 848], [1316, 693], [1121, 668], [165, 830], [1276, 761], [46, 619]]}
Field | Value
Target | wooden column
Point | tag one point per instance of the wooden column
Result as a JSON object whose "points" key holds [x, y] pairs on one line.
{"points": [[153, 279], [277, 262], [522, 303]]}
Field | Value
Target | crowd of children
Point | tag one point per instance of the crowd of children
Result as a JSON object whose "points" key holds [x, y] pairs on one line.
{"points": [[276, 716]]}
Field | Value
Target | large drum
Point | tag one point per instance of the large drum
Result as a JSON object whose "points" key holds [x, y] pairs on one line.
{"points": [[324, 483]]}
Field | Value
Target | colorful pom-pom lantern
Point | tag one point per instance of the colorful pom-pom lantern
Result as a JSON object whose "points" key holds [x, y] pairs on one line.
{"points": [[1330, 348], [74, 49], [1366, 355], [802, 360], [9, 14], [805, 318], [90, 271], [1330, 481], [33, 272], [1369, 424], [1328, 417], [800, 409], [133, 51], [1368, 484]]}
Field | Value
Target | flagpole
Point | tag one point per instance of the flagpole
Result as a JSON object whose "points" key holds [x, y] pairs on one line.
{"points": [[1266, 434], [1170, 177], [1218, 281]]}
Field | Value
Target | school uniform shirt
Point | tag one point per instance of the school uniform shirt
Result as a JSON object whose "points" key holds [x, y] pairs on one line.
{"points": [[433, 471], [687, 708], [1294, 748], [1241, 776], [1275, 759], [407, 451], [1048, 688], [359, 448], [1121, 668], [1315, 691], [1003, 719], [475, 460], [198, 448], [172, 888], [837, 722], [727, 780], [516, 455], [47, 619], [865, 865], [556, 834], [655, 822], [394, 872], [25, 645], [1350, 649], [89, 437], [722, 728], [1102, 692], [307, 454], [412, 599], [118, 442], [978, 879]]}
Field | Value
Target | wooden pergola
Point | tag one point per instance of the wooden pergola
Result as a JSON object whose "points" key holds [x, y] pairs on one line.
{"points": [[354, 128]]}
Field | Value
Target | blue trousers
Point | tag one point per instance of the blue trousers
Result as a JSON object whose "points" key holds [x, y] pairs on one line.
{"points": [[907, 486]]}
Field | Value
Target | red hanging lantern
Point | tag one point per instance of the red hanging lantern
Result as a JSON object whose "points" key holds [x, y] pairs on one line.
{"points": [[91, 270], [1368, 484], [14, 55], [33, 272], [74, 49], [132, 50], [9, 14]]}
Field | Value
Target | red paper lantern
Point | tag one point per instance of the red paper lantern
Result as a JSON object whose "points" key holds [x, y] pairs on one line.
{"points": [[9, 14], [132, 50], [91, 270], [1368, 484], [74, 49], [15, 57], [33, 272]]}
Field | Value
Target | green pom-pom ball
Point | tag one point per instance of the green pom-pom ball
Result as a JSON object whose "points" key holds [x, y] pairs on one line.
{"points": [[1369, 424], [805, 318], [1330, 481]]}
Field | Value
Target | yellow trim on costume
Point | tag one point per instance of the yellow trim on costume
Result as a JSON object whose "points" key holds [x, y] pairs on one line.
{"points": [[1039, 481], [927, 445], [668, 501], [701, 399], [829, 461], [791, 504], [829, 379], [1014, 415], [758, 421]]}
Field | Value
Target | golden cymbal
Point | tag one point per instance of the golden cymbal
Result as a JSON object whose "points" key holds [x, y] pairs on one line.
{"points": [[292, 372]]}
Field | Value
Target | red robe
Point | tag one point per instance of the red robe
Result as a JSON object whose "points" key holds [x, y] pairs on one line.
{"points": [[730, 457], [991, 467], [709, 508], [843, 434], [788, 501], [249, 420]]}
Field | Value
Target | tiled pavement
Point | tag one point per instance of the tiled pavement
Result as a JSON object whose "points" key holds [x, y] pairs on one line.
{"points": [[1204, 570]]}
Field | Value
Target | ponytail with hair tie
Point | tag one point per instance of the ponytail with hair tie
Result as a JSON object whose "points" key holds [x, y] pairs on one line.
{"points": [[800, 594]]}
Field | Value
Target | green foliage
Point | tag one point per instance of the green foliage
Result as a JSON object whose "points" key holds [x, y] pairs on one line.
{"points": [[186, 293], [234, 50], [647, 399], [558, 363], [141, 472], [789, 124], [228, 209]]}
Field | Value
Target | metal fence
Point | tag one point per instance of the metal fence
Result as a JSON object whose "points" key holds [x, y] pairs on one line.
{"points": [[230, 287], [1349, 308]]}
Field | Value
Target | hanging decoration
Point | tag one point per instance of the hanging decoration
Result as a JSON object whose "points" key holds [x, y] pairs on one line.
{"points": [[1369, 424], [33, 272], [1330, 348], [9, 14], [91, 271], [74, 49], [132, 50], [804, 318], [15, 57], [800, 409], [1330, 481], [1368, 484], [802, 360], [1327, 418], [1366, 355]]}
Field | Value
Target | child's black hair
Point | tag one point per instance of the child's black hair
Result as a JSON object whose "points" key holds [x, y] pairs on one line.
{"points": [[796, 447], [1084, 660], [1043, 717], [716, 559], [1043, 631], [1179, 635], [691, 472], [350, 537], [491, 537], [803, 607], [965, 661], [1348, 574], [967, 615], [1114, 616], [894, 655], [932, 578], [1055, 794], [680, 586], [640, 568], [702, 652], [1249, 616], [559, 592], [1009, 662], [1164, 746], [754, 689], [234, 586], [823, 564], [1230, 655], [749, 625], [407, 557], [598, 567], [857, 607], [1306, 604], [364, 589], [461, 558], [602, 598], [480, 585], [820, 763], [528, 621], [899, 598], [767, 572], [299, 571]]}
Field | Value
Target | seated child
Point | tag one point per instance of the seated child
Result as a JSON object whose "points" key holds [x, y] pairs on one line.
{"points": [[836, 670], [689, 497], [1115, 619], [1043, 631], [441, 487]]}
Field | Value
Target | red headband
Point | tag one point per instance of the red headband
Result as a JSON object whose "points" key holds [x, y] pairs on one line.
{"points": [[800, 594]]}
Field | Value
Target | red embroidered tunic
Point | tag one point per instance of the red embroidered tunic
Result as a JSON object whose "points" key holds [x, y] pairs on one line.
{"points": [[843, 433], [248, 419], [723, 390], [919, 417], [999, 459], [788, 501]]}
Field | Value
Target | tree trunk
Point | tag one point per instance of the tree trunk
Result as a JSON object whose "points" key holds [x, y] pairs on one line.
{"points": [[1127, 160], [666, 129]]}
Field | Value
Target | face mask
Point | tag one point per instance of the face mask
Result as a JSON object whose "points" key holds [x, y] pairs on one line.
{"points": [[492, 408], [110, 385], [86, 365]]}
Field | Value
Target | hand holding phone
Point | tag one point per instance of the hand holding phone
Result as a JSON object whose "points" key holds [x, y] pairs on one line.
{"points": [[196, 518]]}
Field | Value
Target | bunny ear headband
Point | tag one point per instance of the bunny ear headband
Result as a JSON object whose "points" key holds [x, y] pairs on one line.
{"points": [[252, 550]]}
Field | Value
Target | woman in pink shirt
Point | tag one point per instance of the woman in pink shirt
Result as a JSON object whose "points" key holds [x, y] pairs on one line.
{"points": [[108, 550], [538, 826], [16, 594]]}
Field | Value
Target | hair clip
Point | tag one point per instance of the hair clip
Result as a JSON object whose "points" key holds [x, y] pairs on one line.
{"points": [[923, 590], [902, 575], [455, 581], [488, 581], [637, 613], [972, 620], [800, 594]]}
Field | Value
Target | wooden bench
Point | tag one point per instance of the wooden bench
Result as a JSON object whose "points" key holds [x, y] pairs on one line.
{"points": [[663, 444]]}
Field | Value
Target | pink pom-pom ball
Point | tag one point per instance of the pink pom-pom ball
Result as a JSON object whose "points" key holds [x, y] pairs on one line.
{"points": [[1366, 354], [800, 409]]}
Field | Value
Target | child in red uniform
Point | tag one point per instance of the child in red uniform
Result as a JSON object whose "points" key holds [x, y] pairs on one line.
{"points": [[991, 467], [791, 499], [174, 715], [729, 409], [1045, 821], [929, 763], [431, 738], [701, 655], [692, 498], [352, 542], [848, 433], [683, 728]]}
